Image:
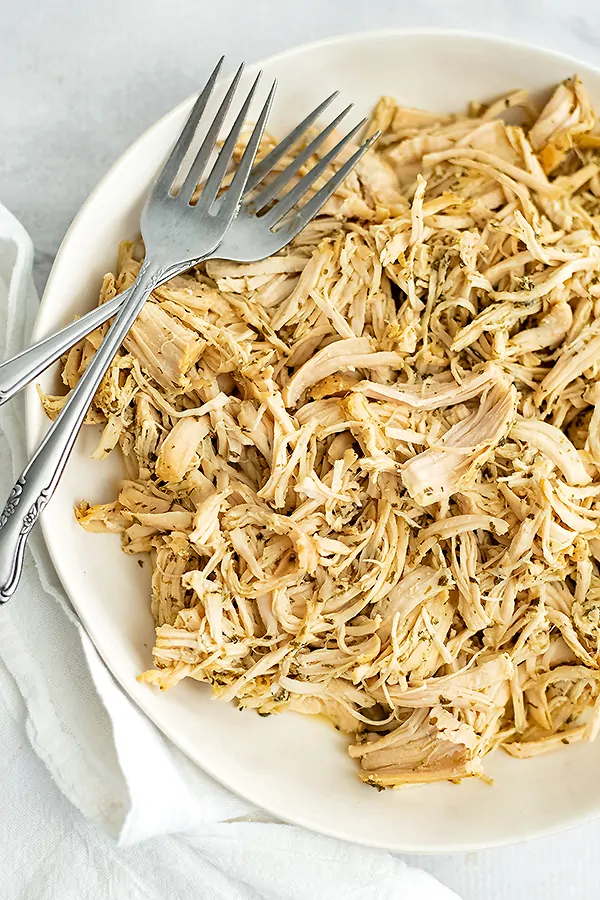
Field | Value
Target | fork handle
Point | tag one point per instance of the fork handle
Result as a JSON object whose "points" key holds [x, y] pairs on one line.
{"points": [[17, 372], [36, 484]]}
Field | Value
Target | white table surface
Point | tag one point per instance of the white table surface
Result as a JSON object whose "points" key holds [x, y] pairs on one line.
{"points": [[79, 80]]}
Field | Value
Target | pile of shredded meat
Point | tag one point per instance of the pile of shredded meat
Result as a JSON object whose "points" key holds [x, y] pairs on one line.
{"points": [[367, 469]]}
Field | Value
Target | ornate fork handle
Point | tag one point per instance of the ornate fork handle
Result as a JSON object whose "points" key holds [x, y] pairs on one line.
{"points": [[38, 480]]}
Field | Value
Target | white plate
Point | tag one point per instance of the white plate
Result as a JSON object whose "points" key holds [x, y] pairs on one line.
{"points": [[295, 767]]}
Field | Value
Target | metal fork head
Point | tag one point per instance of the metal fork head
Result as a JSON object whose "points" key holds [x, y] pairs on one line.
{"points": [[177, 231], [174, 230], [253, 234]]}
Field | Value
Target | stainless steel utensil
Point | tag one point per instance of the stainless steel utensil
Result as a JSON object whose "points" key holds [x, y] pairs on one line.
{"points": [[18, 372], [177, 235]]}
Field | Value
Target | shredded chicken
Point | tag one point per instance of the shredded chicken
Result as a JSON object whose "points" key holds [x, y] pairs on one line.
{"points": [[367, 470]]}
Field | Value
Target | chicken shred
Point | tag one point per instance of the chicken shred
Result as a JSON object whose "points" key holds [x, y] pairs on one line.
{"points": [[367, 470]]}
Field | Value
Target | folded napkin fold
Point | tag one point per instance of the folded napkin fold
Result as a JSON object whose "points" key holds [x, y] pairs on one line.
{"points": [[111, 762]]}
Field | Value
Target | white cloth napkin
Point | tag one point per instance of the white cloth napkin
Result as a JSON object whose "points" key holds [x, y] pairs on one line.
{"points": [[57, 698]]}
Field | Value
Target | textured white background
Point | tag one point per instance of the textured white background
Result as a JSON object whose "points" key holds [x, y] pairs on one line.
{"points": [[80, 79]]}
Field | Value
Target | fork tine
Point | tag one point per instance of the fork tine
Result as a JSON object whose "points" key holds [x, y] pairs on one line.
{"points": [[171, 167], [214, 180], [238, 186], [290, 199], [208, 144], [270, 192], [262, 169], [310, 209]]}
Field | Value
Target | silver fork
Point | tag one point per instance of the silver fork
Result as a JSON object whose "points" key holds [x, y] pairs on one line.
{"points": [[249, 239], [177, 235]]}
